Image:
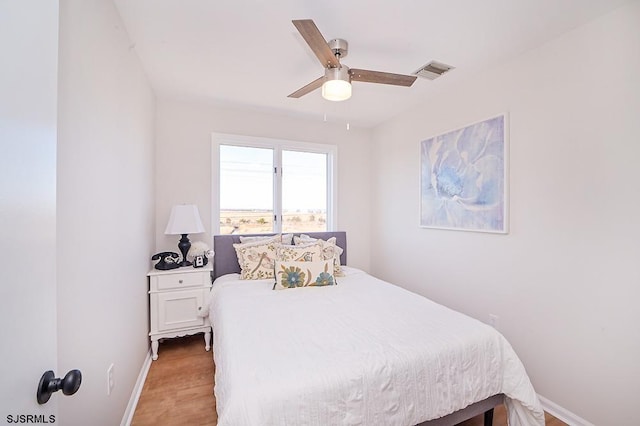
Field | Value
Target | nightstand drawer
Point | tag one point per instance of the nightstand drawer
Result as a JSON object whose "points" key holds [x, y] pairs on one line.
{"points": [[176, 281]]}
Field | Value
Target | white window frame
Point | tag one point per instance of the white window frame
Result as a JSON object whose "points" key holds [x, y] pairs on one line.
{"points": [[278, 145]]}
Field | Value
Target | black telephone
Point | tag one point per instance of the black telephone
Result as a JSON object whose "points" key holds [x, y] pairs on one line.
{"points": [[167, 260]]}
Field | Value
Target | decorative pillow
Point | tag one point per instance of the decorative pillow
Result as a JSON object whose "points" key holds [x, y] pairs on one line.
{"points": [[300, 253], [284, 239], [329, 250], [257, 259], [303, 274]]}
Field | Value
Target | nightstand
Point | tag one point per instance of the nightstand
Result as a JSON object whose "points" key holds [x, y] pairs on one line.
{"points": [[176, 301]]}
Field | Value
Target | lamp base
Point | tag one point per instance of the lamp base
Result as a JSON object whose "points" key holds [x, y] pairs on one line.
{"points": [[184, 245]]}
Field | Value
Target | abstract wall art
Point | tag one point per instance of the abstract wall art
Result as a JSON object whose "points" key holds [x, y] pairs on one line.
{"points": [[463, 178]]}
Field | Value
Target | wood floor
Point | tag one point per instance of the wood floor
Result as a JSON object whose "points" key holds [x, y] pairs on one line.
{"points": [[179, 386], [179, 389]]}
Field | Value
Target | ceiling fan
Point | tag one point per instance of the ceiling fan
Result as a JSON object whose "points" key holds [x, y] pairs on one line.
{"points": [[337, 78]]}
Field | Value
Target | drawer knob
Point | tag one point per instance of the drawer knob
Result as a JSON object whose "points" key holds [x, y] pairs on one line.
{"points": [[180, 281]]}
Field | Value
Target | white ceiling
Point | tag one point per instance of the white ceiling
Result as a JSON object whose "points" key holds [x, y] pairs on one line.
{"points": [[247, 53]]}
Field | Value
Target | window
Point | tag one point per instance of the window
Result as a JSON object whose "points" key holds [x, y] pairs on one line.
{"points": [[267, 185]]}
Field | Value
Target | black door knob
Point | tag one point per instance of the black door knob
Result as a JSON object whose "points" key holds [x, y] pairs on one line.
{"points": [[50, 384]]}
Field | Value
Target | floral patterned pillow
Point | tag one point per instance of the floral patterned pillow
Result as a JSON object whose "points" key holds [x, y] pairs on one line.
{"points": [[300, 253], [257, 259], [329, 250], [303, 274]]}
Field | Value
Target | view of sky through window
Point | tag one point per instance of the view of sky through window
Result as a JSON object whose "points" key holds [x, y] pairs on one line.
{"points": [[247, 202]]}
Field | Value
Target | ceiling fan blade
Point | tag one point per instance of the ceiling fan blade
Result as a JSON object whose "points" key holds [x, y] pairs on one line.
{"points": [[382, 77], [308, 88], [316, 42]]}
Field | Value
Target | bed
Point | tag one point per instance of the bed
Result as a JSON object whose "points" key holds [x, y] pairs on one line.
{"points": [[362, 352]]}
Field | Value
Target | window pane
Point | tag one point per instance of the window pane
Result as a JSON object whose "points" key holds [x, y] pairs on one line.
{"points": [[304, 191], [246, 190]]}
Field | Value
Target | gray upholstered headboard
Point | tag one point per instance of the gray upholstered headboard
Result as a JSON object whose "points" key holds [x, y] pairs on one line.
{"points": [[225, 260]]}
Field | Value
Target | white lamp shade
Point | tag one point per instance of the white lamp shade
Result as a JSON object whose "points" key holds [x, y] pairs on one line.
{"points": [[336, 90], [184, 219], [337, 85]]}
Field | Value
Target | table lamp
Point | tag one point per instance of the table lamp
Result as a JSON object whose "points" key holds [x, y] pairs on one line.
{"points": [[184, 219]]}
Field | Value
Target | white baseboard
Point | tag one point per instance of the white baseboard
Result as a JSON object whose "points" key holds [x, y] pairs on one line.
{"points": [[137, 390], [562, 413]]}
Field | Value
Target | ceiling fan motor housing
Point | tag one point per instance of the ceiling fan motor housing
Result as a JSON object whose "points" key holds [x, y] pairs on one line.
{"points": [[341, 73], [339, 47]]}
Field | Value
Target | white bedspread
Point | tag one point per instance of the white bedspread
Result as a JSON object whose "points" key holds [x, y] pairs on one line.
{"points": [[363, 352]]}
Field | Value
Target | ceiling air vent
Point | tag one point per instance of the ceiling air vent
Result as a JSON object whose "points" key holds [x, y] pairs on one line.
{"points": [[432, 70]]}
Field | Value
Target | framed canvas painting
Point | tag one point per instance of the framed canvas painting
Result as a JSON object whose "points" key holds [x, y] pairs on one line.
{"points": [[463, 178]]}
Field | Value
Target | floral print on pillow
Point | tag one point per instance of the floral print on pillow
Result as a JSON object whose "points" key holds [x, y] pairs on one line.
{"points": [[303, 274], [257, 259], [329, 250], [300, 253]]}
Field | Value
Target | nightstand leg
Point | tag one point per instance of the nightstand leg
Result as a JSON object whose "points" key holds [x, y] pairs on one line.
{"points": [[154, 349], [207, 340]]}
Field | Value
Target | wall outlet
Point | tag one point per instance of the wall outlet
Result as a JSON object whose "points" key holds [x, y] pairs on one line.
{"points": [[110, 379], [494, 321]]}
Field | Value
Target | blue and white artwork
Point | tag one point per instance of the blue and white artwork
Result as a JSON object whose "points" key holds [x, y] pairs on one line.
{"points": [[463, 178]]}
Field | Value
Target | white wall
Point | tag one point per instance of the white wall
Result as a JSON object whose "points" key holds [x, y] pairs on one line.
{"points": [[183, 164], [105, 209], [565, 281]]}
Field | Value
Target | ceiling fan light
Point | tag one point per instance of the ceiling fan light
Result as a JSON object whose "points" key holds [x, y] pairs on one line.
{"points": [[337, 86], [336, 90]]}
